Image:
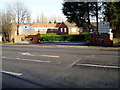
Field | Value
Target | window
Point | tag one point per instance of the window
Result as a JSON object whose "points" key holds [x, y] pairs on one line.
{"points": [[25, 26], [65, 29], [52, 29], [56, 29], [61, 29], [74, 29]]}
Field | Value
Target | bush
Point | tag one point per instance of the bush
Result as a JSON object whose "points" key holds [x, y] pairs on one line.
{"points": [[55, 37], [49, 34]]}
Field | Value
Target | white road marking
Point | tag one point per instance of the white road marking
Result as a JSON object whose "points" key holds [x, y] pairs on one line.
{"points": [[12, 73], [35, 60], [103, 66], [4, 57], [50, 56], [28, 54], [27, 60]]}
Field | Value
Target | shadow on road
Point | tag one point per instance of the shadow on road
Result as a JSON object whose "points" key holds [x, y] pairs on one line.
{"points": [[22, 83], [66, 43]]}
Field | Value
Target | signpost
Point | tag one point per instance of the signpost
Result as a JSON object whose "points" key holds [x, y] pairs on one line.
{"points": [[25, 30], [26, 35], [103, 27], [101, 38]]}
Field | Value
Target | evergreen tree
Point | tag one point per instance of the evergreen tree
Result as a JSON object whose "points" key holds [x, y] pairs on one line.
{"points": [[80, 13], [113, 15], [50, 22], [55, 21], [75, 13]]}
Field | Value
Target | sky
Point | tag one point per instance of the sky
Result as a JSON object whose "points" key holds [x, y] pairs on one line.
{"points": [[47, 7]]}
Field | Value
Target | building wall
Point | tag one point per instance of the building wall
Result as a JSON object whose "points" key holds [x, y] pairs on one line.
{"points": [[74, 30], [34, 39], [63, 29], [52, 31]]}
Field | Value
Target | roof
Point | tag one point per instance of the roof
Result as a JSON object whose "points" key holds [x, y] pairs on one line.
{"points": [[44, 25], [41, 24], [70, 24]]}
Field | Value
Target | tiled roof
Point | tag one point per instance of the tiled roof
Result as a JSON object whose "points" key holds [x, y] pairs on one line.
{"points": [[70, 24], [41, 24]]}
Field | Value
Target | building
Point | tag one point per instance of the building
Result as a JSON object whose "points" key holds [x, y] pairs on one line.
{"points": [[44, 28], [72, 29]]}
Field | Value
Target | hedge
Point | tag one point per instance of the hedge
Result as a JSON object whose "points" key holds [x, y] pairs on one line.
{"points": [[55, 37]]}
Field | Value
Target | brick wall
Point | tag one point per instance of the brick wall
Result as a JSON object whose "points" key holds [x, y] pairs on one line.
{"points": [[103, 40], [20, 39]]}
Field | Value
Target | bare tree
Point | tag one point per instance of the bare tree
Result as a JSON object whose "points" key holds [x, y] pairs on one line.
{"points": [[0, 22], [6, 19], [43, 18], [56, 18], [22, 14], [38, 19], [13, 13]]}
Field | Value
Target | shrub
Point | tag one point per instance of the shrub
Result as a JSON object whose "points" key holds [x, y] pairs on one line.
{"points": [[55, 37]]}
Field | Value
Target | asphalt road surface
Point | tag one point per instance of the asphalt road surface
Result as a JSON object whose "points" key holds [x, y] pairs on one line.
{"points": [[59, 67]]}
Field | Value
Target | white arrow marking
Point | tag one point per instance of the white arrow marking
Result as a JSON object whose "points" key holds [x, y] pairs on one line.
{"points": [[27, 54]]}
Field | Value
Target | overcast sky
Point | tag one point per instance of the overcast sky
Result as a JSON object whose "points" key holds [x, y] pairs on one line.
{"points": [[47, 7]]}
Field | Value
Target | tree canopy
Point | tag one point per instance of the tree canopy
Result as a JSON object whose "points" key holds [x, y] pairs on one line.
{"points": [[112, 14], [80, 13], [75, 12]]}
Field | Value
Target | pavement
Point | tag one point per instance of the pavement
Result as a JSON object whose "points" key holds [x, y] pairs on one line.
{"points": [[65, 44], [49, 66]]}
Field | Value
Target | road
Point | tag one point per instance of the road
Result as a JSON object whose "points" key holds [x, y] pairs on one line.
{"points": [[35, 66]]}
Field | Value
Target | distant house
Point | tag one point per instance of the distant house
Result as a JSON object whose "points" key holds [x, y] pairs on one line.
{"points": [[62, 29], [72, 28], [44, 28], [34, 28]]}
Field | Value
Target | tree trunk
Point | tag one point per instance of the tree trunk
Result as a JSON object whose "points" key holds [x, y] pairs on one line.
{"points": [[88, 10], [96, 17]]}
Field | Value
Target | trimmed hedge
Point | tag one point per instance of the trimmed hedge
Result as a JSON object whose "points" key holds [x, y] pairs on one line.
{"points": [[55, 37]]}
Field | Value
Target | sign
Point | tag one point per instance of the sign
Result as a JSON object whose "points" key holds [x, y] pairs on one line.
{"points": [[103, 27], [26, 29]]}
